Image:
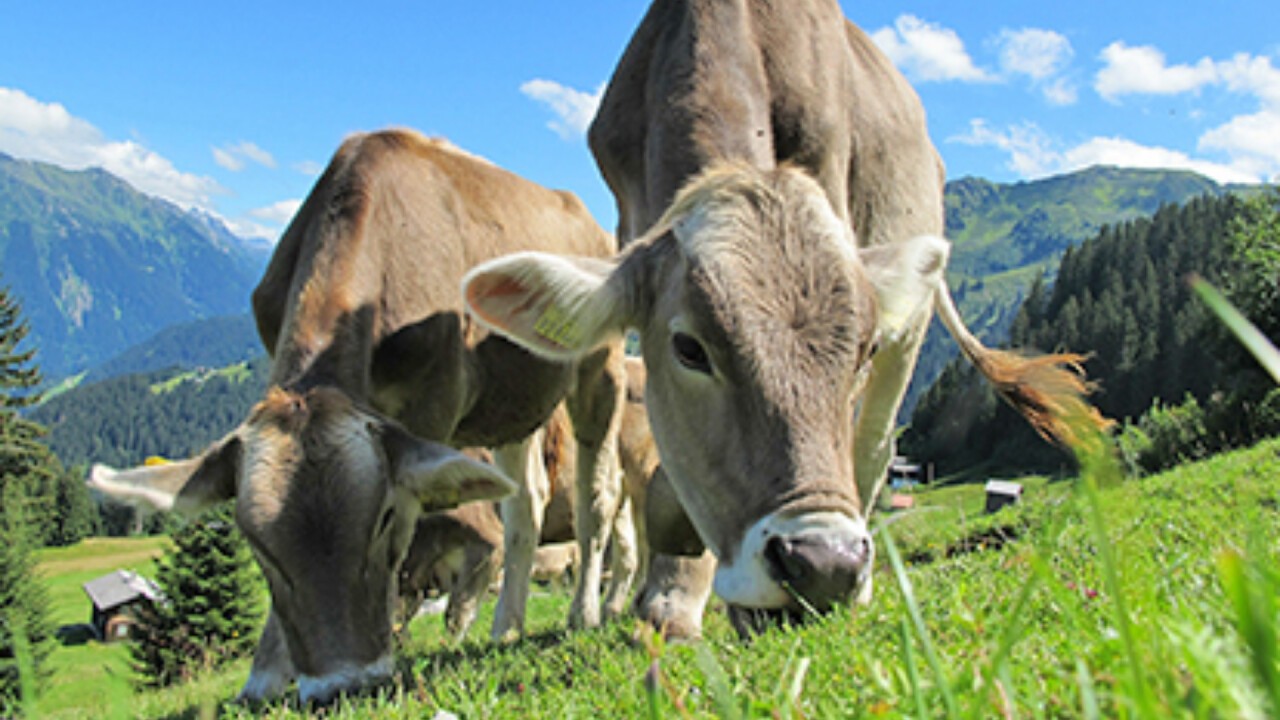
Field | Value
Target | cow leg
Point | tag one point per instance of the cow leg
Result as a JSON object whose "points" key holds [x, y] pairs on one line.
{"points": [[626, 560], [521, 527], [675, 593], [873, 442], [273, 669], [479, 565], [595, 407]]}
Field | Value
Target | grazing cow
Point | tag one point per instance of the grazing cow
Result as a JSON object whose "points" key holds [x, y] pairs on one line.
{"points": [[459, 552], [376, 373], [780, 204]]}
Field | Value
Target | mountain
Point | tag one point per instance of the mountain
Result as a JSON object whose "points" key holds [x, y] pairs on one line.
{"points": [[212, 343], [100, 267], [1004, 235]]}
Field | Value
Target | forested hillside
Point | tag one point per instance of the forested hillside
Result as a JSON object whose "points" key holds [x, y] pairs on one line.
{"points": [[174, 414], [1123, 297], [213, 343], [1004, 235]]}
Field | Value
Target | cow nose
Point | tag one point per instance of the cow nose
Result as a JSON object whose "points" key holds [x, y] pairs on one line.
{"points": [[821, 569]]}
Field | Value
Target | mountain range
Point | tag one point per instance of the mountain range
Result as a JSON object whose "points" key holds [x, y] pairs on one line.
{"points": [[99, 267], [115, 282]]}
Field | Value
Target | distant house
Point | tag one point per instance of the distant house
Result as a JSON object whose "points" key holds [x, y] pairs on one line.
{"points": [[1001, 493], [116, 598], [904, 474]]}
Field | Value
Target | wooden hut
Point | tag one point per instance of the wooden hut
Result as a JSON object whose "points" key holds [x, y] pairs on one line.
{"points": [[116, 598], [1001, 493]]}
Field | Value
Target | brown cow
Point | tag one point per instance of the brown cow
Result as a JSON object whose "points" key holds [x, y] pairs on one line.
{"points": [[459, 552], [376, 372], [781, 204]]}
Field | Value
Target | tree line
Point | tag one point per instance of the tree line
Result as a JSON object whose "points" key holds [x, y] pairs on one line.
{"points": [[1165, 370]]}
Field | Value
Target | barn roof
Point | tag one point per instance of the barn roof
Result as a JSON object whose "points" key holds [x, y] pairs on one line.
{"points": [[120, 587], [1004, 487]]}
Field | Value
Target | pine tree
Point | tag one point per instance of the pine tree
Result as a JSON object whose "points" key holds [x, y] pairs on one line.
{"points": [[27, 466], [25, 629], [24, 463], [211, 612]]}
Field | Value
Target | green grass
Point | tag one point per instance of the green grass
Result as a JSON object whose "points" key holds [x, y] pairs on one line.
{"points": [[240, 372], [88, 679], [1147, 598]]}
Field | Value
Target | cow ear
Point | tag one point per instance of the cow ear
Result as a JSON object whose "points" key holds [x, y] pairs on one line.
{"points": [[557, 307], [186, 486], [439, 476], [906, 275]]}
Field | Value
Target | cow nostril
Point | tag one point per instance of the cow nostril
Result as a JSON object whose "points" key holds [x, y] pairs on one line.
{"points": [[821, 570], [784, 565]]}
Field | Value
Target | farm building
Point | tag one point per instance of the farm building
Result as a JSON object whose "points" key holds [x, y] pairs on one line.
{"points": [[905, 474], [115, 598], [1001, 493]]}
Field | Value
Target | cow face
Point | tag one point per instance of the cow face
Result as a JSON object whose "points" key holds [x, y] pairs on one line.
{"points": [[758, 318], [328, 496]]}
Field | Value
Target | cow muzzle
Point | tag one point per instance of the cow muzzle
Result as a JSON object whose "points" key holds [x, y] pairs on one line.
{"points": [[326, 688], [802, 563]]}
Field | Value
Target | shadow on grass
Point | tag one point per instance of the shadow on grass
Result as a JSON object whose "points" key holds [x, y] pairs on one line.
{"points": [[76, 635]]}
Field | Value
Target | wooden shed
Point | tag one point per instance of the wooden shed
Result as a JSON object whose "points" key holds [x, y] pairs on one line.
{"points": [[116, 598], [1001, 493]]}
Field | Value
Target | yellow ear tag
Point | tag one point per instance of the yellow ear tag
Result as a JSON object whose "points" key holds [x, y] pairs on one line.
{"points": [[155, 460], [559, 327]]}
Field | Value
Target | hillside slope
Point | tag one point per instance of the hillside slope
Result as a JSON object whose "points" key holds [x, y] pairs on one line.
{"points": [[1004, 235], [99, 266]]}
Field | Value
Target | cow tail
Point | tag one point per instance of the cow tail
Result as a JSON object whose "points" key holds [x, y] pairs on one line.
{"points": [[1050, 391]]}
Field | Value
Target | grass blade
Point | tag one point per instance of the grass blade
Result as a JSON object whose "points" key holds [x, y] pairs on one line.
{"points": [[917, 620], [718, 685], [1253, 340], [1251, 598]]}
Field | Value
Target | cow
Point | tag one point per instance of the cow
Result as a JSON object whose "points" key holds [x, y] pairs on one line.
{"points": [[780, 207], [377, 374], [459, 552]]}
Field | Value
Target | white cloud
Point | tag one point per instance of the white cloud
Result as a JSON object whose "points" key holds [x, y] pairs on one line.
{"points": [[1143, 71], [309, 167], [233, 157], [1060, 91], [1034, 154], [573, 108], [1252, 75], [1041, 55], [1034, 52], [1126, 153], [928, 52], [278, 213], [1251, 141], [47, 132], [1030, 150]]}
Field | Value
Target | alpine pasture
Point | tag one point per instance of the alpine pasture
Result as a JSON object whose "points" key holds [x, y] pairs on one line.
{"points": [[1096, 597]]}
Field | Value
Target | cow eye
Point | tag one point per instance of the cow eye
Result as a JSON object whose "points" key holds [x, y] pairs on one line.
{"points": [[690, 353]]}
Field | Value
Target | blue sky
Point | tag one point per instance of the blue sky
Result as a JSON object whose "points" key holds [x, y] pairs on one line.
{"points": [[234, 107]]}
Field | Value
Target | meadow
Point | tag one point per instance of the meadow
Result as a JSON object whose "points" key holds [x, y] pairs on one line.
{"points": [[1101, 597]]}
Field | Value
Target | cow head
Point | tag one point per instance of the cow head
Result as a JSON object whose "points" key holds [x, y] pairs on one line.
{"points": [[328, 495], [758, 318]]}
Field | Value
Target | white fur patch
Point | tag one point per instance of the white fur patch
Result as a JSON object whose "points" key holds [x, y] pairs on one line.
{"points": [[747, 582], [325, 687]]}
